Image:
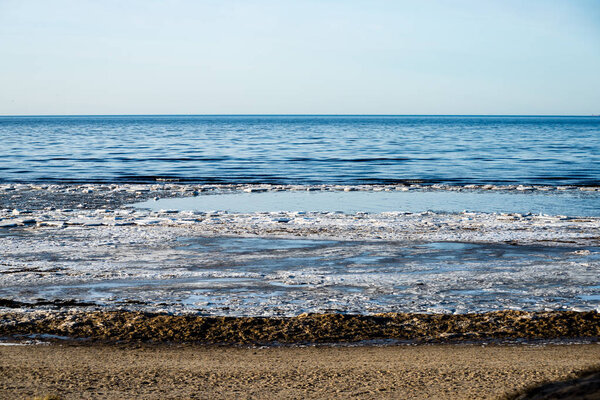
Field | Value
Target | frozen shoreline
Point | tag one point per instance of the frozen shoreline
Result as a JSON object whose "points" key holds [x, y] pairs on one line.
{"points": [[126, 258], [475, 227]]}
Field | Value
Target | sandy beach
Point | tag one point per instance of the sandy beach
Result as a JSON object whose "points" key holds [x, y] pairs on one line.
{"points": [[179, 371]]}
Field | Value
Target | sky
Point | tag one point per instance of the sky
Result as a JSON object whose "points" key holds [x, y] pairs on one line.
{"points": [[69, 57]]}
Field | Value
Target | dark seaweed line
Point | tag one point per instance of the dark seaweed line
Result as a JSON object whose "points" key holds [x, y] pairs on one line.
{"points": [[130, 326]]}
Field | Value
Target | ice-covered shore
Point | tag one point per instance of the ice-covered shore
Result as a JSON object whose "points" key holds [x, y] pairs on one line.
{"points": [[119, 257], [424, 226], [59, 206]]}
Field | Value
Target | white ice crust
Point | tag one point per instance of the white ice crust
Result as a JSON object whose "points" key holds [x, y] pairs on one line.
{"points": [[118, 257]]}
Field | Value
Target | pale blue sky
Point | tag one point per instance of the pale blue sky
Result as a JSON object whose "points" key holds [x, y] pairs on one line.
{"points": [[314, 57]]}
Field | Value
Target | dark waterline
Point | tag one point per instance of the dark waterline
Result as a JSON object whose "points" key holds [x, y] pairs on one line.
{"points": [[296, 149]]}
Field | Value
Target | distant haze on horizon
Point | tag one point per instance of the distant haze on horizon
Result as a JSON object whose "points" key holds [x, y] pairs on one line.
{"points": [[301, 57]]}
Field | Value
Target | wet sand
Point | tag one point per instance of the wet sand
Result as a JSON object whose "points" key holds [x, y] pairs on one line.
{"points": [[189, 371]]}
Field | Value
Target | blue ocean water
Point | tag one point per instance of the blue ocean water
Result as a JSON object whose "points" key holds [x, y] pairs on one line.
{"points": [[302, 149]]}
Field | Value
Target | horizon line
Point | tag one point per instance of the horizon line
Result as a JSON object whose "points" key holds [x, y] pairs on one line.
{"points": [[299, 115]]}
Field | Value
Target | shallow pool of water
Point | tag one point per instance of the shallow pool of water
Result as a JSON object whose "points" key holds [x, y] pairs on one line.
{"points": [[571, 203]]}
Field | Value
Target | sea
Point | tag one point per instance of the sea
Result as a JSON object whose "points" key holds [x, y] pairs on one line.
{"points": [[299, 149], [372, 213]]}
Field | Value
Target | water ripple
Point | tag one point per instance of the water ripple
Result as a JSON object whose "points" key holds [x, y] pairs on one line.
{"points": [[302, 149]]}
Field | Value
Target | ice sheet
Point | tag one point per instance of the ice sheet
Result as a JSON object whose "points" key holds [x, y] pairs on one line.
{"points": [[160, 270], [288, 262]]}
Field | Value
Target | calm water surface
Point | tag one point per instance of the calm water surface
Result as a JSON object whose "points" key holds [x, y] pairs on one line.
{"points": [[572, 203], [302, 149]]}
